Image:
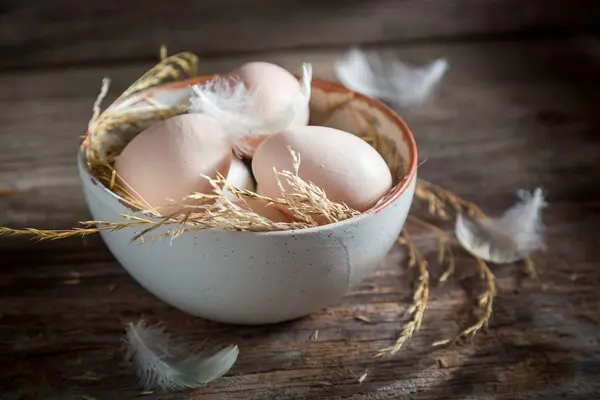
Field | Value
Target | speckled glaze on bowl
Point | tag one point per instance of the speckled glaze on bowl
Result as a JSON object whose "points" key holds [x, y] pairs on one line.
{"points": [[261, 278]]}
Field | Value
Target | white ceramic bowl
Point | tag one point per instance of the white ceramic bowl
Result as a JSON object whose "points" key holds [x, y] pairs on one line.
{"points": [[260, 278]]}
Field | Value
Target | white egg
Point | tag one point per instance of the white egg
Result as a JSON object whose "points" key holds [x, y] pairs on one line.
{"points": [[273, 89], [239, 176]]}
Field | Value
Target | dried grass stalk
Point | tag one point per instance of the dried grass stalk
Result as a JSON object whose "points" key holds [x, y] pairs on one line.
{"points": [[305, 200], [108, 133], [445, 254], [446, 257], [420, 297], [308, 203], [111, 132], [531, 268], [107, 175], [170, 69], [439, 199], [86, 228], [485, 302]]}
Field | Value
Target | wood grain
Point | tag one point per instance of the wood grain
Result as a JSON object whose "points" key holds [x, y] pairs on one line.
{"points": [[67, 31], [509, 115]]}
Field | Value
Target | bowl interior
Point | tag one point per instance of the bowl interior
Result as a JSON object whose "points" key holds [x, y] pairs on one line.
{"points": [[331, 105]]}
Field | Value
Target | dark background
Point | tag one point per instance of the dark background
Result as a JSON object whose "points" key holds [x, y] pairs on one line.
{"points": [[61, 32]]}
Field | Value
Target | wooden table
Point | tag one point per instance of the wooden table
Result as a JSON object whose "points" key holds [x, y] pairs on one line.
{"points": [[510, 115]]}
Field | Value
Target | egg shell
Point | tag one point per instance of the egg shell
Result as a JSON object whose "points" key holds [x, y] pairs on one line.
{"points": [[165, 163], [274, 89], [261, 208], [347, 168], [239, 175]]}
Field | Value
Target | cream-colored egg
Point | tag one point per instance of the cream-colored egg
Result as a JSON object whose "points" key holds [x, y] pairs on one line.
{"points": [[165, 163], [347, 168], [274, 89], [239, 176], [261, 208]]}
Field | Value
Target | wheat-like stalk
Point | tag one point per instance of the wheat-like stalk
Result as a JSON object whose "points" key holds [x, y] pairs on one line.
{"points": [[109, 177], [305, 199], [445, 253], [212, 210], [173, 68], [420, 297], [486, 298], [485, 302], [87, 228], [530, 268], [438, 198], [113, 130], [41, 234], [108, 133]]}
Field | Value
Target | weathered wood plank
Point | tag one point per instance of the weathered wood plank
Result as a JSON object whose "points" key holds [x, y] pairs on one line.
{"points": [[509, 115], [68, 31]]}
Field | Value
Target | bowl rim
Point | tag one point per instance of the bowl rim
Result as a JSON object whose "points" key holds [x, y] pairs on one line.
{"points": [[317, 83]]}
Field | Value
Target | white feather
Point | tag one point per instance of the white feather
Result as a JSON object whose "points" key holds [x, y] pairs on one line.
{"points": [[392, 80], [161, 362], [509, 238], [232, 105]]}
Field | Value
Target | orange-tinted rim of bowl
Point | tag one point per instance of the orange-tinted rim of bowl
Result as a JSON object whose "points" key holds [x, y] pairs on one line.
{"points": [[328, 86]]}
